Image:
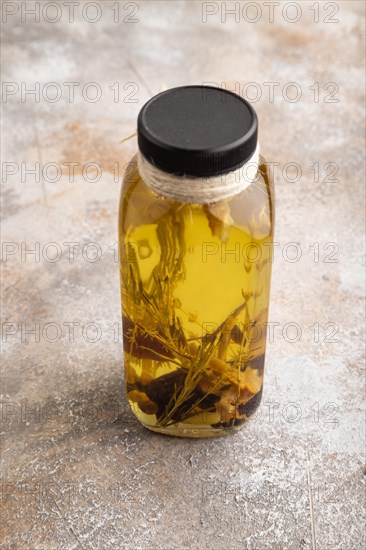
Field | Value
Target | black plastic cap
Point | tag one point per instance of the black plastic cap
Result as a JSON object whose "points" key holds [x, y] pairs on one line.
{"points": [[197, 131]]}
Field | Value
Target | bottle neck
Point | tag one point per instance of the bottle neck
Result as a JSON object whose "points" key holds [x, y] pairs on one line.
{"points": [[199, 189]]}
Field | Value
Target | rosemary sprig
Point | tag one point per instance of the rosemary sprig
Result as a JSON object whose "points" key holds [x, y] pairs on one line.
{"points": [[197, 369]]}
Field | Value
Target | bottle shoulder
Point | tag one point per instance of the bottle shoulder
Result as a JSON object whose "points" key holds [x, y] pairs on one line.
{"points": [[251, 210]]}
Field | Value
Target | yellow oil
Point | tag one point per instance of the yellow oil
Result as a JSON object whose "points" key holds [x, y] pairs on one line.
{"points": [[195, 283]]}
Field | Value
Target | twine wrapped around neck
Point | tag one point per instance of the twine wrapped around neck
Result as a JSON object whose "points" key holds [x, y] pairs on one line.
{"points": [[202, 190]]}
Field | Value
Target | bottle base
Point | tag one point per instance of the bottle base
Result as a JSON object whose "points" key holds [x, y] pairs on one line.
{"points": [[198, 432]]}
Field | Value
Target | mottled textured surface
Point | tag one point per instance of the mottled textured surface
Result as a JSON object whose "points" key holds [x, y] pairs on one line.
{"points": [[77, 469]]}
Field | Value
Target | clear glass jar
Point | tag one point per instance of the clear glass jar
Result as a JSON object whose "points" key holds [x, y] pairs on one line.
{"points": [[195, 276]]}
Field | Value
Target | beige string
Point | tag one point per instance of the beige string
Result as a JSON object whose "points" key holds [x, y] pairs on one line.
{"points": [[199, 189]]}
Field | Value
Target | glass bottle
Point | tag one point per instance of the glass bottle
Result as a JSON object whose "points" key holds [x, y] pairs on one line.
{"points": [[195, 236]]}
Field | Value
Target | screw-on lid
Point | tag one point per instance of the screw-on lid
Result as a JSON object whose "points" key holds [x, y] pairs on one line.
{"points": [[197, 131]]}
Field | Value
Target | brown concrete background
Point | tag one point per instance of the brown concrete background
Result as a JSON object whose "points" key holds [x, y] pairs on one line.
{"points": [[77, 469]]}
